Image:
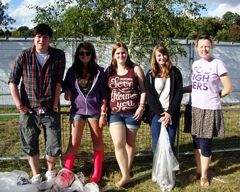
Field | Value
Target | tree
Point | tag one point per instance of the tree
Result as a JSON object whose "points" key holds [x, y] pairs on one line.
{"points": [[222, 35], [140, 23], [24, 31], [234, 33], [5, 20], [231, 18], [208, 26]]}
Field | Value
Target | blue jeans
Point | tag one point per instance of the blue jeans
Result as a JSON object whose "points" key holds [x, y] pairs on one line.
{"points": [[156, 129]]}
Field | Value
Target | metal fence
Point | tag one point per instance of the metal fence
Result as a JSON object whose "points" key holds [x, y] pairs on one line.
{"points": [[10, 142], [228, 52]]}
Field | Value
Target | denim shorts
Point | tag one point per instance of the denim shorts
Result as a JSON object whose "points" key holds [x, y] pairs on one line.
{"points": [[125, 119], [78, 117]]}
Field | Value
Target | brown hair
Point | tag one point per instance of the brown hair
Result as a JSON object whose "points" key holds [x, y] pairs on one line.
{"points": [[129, 63], [206, 37], [164, 71]]}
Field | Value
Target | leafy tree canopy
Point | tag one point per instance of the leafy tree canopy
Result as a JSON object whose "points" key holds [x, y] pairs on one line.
{"points": [[5, 20], [139, 22]]}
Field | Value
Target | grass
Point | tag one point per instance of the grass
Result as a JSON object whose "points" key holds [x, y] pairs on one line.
{"points": [[224, 171]]}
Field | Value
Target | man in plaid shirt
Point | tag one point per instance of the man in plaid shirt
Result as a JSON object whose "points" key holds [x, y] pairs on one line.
{"points": [[40, 70]]}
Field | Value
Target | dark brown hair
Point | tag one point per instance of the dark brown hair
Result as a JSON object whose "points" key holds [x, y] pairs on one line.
{"points": [[92, 65], [42, 29]]}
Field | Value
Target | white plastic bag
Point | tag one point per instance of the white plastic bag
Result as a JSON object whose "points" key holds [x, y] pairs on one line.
{"points": [[164, 163], [9, 180], [91, 187]]}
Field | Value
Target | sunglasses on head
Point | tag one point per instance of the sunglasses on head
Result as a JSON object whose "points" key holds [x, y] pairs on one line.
{"points": [[87, 53]]}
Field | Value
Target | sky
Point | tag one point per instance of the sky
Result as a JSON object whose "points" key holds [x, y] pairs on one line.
{"points": [[19, 11]]}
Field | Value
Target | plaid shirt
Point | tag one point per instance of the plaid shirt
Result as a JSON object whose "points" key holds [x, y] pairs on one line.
{"points": [[38, 82]]}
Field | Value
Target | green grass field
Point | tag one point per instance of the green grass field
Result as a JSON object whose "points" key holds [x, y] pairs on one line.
{"points": [[224, 171]]}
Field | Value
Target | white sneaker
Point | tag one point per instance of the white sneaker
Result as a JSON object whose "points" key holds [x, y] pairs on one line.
{"points": [[37, 179], [50, 175]]}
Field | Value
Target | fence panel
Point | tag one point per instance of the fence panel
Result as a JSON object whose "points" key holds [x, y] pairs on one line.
{"points": [[10, 142]]}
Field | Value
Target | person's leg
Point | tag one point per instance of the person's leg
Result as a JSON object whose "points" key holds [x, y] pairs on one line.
{"points": [[155, 131], [65, 176], [197, 154], [205, 162], [74, 141], [131, 133], [172, 130], [51, 162], [52, 135], [206, 153], [98, 147], [29, 134], [130, 145], [34, 164], [118, 134], [96, 134]]}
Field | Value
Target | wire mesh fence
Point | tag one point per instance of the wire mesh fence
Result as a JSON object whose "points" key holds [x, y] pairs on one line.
{"points": [[10, 140]]}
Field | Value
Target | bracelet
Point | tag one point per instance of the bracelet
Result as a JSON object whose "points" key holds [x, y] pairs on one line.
{"points": [[103, 114]]}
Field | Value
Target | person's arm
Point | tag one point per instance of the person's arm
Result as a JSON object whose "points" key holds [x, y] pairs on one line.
{"points": [[103, 114], [227, 85], [56, 97], [14, 80], [103, 92], [60, 72], [187, 89], [141, 78], [16, 98], [66, 86]]}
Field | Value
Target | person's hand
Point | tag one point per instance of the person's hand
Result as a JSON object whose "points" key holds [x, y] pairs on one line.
{"points": [[139, 113], [23, 109], [166, 119], [102, 121], [68, 95], [55, 109]]}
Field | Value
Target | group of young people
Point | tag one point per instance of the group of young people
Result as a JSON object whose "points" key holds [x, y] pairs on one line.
{"points": [[115, 96]]}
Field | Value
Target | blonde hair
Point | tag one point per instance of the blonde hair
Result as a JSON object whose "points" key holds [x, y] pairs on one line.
{"points": [[164, 70]]}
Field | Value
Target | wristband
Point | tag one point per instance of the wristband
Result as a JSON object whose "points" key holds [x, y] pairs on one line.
{"points": [[103, 114]]}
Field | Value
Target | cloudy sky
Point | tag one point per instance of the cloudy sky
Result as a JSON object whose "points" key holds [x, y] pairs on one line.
{"points": [[23, 15]]}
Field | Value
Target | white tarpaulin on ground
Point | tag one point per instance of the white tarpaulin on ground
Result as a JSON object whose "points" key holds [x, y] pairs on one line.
{"points": [[12, 182]]}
